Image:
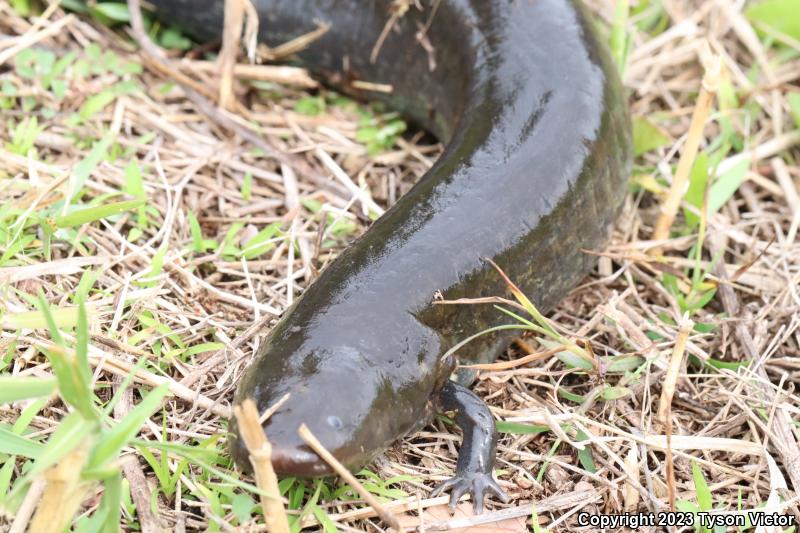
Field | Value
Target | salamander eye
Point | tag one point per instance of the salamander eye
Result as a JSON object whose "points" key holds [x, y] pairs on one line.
{"points": [[335, 422]]}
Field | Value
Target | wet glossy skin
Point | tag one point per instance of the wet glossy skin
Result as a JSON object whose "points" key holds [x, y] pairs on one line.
{"points": [[538, 149]]}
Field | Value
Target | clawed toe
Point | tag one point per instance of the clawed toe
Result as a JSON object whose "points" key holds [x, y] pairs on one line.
{"points": [[497, 490], [443, 486], [476, 485]]}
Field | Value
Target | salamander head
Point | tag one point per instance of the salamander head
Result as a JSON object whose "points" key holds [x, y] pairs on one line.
{"points": [[356, 406]]}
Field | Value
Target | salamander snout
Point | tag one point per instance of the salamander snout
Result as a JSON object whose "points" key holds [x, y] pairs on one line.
{"points": [[298, 461], [290, 455], [338, 411], [349, 395]]}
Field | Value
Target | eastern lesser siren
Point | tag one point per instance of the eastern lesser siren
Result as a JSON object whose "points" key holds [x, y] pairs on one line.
{"points": [[529, 105]]}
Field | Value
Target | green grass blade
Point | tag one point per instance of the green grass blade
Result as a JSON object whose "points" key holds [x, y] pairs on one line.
{"points": [[50, 322], [111, 503], [13, 444], [90, 214], [549, 332], [619, 35], [156, 265], [622, 363], [611, 393], [204, 347], [15, 388], [726, 185], [525, 302], [262, 242], [82, 344], [701, 488], [196, 233], [585, 455], [27, 415], [63, 317], [794, 106], [73, 431], [455, 348], [120, 435], [74, 383], [86, 166], [88, 279], [515, 428], [647, 136], [6, 472], [573, 360], [780, 15], [123, 387]]}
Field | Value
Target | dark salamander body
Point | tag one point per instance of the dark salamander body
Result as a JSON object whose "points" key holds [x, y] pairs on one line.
{"points": [[530, 107]]}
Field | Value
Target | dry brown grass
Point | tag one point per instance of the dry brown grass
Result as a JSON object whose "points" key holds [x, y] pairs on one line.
{"points": [[735, 424]]}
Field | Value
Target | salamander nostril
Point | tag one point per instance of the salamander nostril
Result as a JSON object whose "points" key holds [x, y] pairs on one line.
{"points": [[335, 422]]}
